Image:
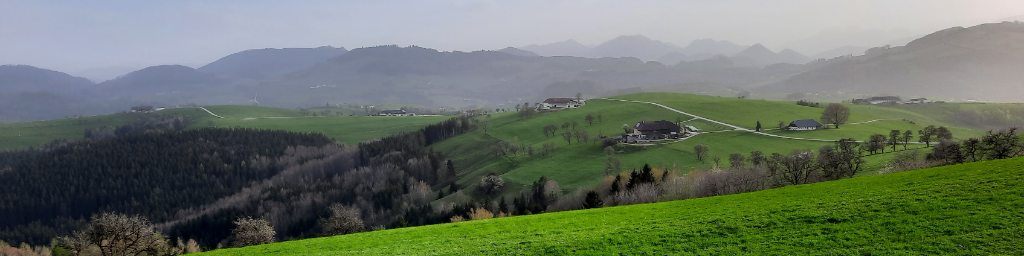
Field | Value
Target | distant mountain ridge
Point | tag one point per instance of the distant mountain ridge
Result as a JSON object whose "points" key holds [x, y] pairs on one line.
{"points": [[162, 79], [981, 62], [518, 52], [259, 64], [757, 55], [636, 46], [563, 48], [24, 78]]}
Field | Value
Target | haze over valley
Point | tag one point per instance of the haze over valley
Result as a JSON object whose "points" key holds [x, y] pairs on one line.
{"points": [[464, 127]]}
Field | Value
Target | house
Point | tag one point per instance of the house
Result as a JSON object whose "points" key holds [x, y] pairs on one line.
{"points": [[884, 100], [561, 103], [655, 130], [399, 112], [143, 109], [917, 101], [804, 125]]}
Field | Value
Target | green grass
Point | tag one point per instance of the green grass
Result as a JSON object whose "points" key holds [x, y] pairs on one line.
{"points": [[969, 209], [747, 112], [15, 136], [582, 165], [344, 129]]}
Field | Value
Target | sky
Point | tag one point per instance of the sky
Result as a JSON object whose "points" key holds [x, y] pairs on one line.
{"points": [[87, 35]]}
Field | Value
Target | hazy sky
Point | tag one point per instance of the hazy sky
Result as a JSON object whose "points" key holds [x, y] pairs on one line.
{"points": [[72, 36]]}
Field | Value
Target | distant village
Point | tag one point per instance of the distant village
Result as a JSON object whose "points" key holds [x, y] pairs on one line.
{"points": [[890, 100]]}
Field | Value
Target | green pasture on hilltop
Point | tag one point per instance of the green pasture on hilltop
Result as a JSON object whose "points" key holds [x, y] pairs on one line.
{"points": [[968, 209], [345, 129], [22, 135]]}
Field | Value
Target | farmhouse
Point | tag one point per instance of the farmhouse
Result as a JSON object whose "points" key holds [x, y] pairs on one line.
{"points": [[884, 100], [143, 109], [917, 101], [399, 112], [656, 130], [804, 125], [551, 103]]}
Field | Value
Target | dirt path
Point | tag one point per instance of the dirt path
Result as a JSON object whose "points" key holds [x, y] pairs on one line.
{"points": [[211, 113]]}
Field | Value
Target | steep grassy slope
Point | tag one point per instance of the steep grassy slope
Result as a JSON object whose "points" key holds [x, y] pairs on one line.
{"points": [[970, 209]]}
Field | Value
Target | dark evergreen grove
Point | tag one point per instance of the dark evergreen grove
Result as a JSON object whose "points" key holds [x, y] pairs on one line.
{"points": [[194, 183]]}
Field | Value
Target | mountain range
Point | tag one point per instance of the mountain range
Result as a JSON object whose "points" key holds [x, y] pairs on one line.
{"points": [[980, 62], [985, 58]]}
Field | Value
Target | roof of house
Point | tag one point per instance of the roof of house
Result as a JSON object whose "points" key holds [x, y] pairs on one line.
{"points": [[558, 100], [393, 111], [893, 98], [805, 123], [656, 125]]}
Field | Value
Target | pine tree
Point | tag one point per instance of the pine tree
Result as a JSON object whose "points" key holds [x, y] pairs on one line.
{"points": [[593, 201], [502, 206], [758, 128]]}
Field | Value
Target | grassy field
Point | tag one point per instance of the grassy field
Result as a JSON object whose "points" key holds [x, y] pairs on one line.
{"points": [[31, 134], [345, 129], [580, 165], [746, 113], [969, 209]]}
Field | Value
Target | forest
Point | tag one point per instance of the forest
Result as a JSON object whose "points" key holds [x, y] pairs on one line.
{"points": [[194, 183]]}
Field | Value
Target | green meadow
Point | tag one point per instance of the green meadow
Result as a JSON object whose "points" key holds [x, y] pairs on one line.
{"points": [[344, 129], [968, 209], [581, 165]]}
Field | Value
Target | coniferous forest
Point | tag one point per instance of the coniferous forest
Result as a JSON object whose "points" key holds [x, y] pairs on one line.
{"points": [[193, 183]]}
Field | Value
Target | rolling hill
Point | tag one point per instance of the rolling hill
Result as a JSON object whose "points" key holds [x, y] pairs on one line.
{"points": [[564, 48], [580, 165], [968, 209], [259, 64], [159, 80], [636, 46], [22, 78], [984, 58]]}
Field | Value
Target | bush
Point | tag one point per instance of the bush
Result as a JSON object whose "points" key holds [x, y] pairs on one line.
{"points": [[343, 220], [249, 231], [491, 184]]}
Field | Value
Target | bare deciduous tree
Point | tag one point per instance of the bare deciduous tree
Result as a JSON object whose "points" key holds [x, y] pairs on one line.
{"points": [[795, 168], [117, 235], [249, 231], [491, 184], [835, 114], [907, 136], [701, 151], [343, 220]]}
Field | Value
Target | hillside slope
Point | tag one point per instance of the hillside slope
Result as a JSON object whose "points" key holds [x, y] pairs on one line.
{"points": [[579, 165], [969, 209], [258, 64], [985, 58]]}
